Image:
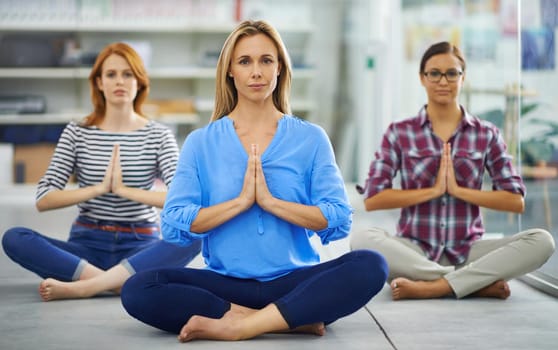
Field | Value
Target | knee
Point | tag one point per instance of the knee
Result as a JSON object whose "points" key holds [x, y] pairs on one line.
{"points": [[544, 242], [128, 295], [365, 239], [12, 241], [373, 270], [132, 295]]}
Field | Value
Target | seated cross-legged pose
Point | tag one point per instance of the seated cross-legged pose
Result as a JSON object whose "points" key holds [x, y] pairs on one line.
{"points": [[255, 185], [116, 154], [441, 156]]}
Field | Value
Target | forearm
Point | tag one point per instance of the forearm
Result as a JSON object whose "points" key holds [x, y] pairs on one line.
{"points": [[496, 200], [213, 216], [64, 198], [395, 198], [148, 197], [307, 216]]}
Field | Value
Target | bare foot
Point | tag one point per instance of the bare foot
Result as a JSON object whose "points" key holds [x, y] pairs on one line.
{"points": [[314, 328], [51, 289], [200, 327], [403, 288], [238, 311], [499, 289], [241, 323]]}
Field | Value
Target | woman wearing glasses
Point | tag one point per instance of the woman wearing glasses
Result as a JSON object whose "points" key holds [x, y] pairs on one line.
{"points": [[441, 155]]}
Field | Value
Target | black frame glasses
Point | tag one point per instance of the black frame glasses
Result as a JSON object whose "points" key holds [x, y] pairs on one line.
{"points": [[434, 76]]}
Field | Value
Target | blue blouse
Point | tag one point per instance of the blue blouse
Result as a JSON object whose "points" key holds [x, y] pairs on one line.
{"points": [[299, 166]]}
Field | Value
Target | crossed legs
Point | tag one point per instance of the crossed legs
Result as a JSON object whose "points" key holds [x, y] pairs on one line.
{"points": [[202, 304], [240, 323], [484, 274]]}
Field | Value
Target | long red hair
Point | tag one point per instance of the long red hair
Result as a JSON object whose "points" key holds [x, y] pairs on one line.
{"points": [[97, 97]]}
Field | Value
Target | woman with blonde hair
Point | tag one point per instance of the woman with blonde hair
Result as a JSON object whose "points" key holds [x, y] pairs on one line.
{"points": [[254, 186], [116, 154]]}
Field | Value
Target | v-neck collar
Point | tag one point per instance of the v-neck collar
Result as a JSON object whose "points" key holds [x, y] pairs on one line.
{"points": [[274, 140]]}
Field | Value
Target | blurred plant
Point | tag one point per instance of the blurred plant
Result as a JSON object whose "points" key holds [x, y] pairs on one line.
{"points": [[541, 144]]}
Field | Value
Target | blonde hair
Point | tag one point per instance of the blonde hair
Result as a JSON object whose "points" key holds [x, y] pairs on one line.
{"points": [[226, 96], [97, 96]]}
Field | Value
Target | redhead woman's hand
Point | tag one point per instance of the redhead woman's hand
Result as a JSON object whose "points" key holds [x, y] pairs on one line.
{"points": [[117, 185], [106, 185]]}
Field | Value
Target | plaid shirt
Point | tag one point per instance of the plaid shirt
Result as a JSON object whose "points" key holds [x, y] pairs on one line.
{"points": [[445, 225]]}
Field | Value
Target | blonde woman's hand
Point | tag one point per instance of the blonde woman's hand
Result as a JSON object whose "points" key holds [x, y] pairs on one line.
{"points": [[263, 196], [248, 193]]}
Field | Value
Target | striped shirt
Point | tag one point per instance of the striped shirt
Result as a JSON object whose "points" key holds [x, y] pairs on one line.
{"points": [[445, 225], [145, 155]]}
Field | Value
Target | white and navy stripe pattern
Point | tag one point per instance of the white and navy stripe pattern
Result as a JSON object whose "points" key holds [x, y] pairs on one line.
{"points": [[145, 155]]}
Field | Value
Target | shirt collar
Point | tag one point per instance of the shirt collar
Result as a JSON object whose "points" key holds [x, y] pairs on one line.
{"points": [[467, 119], [422, 116]]}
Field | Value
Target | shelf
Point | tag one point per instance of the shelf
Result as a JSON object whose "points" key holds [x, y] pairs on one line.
{"points": [[184, 36], [39, 73], [154, 73], [202, 105], [64, 118], [134, 27], [59, 118]]}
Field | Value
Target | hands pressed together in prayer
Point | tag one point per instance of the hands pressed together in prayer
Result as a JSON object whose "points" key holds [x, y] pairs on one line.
{"points": [[255, 188], [112, 182], [445, 181]]}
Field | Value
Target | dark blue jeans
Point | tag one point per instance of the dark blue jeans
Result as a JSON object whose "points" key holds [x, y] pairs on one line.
{"points": [[63, 260], [320, 293]]}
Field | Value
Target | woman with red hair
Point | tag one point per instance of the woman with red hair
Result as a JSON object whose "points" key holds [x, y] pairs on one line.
{"points": [[115, 154]]}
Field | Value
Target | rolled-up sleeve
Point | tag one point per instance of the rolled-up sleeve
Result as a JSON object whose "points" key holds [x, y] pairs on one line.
{"points": [[183, 200], [339, 221], [176, 222], [385, 165], [329, 194], [499, 164]]}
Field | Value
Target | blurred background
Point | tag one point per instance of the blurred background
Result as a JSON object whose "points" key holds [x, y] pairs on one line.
{"points": [[355, 66]]}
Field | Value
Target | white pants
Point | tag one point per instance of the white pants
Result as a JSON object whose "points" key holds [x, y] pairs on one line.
{"points": [[489, 260]]}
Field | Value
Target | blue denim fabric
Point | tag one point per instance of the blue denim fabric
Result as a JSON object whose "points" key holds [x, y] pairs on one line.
{"points": [[48, 257]]}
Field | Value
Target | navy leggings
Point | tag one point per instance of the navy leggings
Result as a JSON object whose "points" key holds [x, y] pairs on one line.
{"points": [[64, 260], [167, 298]]}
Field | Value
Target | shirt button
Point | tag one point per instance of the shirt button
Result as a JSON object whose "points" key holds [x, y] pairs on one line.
{"points": [[442, 224], [444, 201]]}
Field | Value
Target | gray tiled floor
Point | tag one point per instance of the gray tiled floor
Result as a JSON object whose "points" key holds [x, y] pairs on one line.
{"points": [[527, 320]]}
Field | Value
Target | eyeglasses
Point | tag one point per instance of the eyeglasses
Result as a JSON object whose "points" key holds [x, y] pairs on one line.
{"points": [[434, 76]]}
